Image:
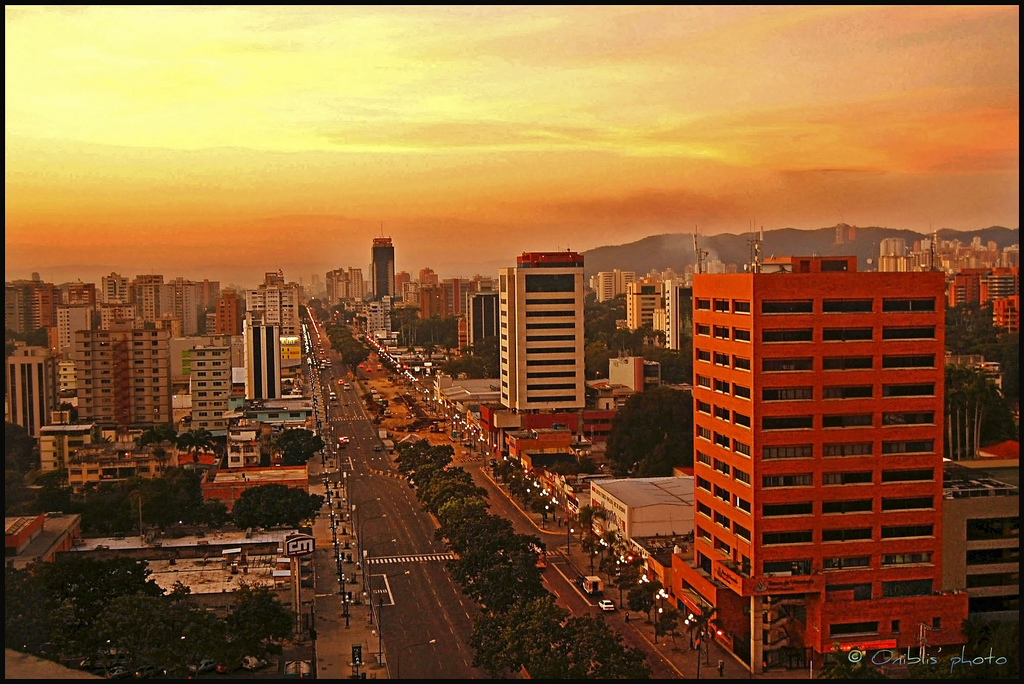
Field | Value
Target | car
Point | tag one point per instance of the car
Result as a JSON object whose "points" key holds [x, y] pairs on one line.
{"points": [[119, 672], [206, 665], [253, 663], [376, 447], [606, 605], [222, 669], [149, 671]]}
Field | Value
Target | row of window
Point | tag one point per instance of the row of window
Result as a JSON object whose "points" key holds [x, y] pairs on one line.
{"points": [[846, 306], [861, 334], [850, 420], [848, 478], [737, 306], [847, 534], [909, 503]]}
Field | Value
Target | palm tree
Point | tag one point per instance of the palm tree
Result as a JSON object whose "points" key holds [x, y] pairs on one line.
{"points": [[196, 441]]}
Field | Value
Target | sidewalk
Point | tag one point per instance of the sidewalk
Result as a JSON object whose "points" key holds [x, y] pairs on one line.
{"points": [[335, 634], [674, 653]]}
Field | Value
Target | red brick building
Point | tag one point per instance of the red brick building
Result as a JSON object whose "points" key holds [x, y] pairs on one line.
{"points": [[818, 415]]}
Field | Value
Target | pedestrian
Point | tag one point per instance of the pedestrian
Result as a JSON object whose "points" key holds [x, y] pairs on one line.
{"points": [[721, 667], [627, 618]]}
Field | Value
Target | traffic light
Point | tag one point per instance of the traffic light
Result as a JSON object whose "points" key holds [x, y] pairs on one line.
{"points": [[357, 654]]}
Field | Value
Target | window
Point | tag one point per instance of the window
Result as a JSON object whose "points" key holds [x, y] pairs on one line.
{"points": [[852, 534], [849, 628], [703, 407], [846, 334], [775, 452], [741, 363], [722, 305], [702, 533], [741, 531], [703, 484], [910, 558], [838, 450], [909, 361], [547, 338], [551, 283], [743, 505], [847, 363], [848, 506], [922, 332], [801, 480], [704, 355], [704, 381], [703, 432], [787, 423], [703, 509], [915, 390], [741, 335], [788, 335], [847, 392], [721, 332], [846, 306], [549, 362], [846, 563], [846, 421], [703, 305], [721, 440], [909, 418], [703, 458], [722, 520], [779, 365], [740, 306], [741, 419], [566, 300], [703, 329], [740, 391], [907, 503], [902, 531], [721, 413], [788, 567], [862, 477], [919, 475], [773, 538], [723, 494], [858, 592], [550, 326], [551, 350], [721, 386], [741, 476], [996, 528], [904, 305], [918, 587], [721, 359], [787, 307], [787, 394], [776, 510], [721, 466], [921, 446]]}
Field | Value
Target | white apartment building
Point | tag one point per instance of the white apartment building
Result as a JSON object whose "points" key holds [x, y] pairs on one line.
{"points": [[541, 332], [71, 319], [677, 298], [276, 305], [611, 284], [210, 386], [262, 359], [642, 298], [31, 388]]}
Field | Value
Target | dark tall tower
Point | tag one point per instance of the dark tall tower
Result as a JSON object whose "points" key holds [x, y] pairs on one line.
{"points": [[382, 268]]}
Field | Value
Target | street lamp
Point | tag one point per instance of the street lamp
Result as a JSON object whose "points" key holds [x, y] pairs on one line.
{"points": [[568, 537], [659, 597], [398, 656]]}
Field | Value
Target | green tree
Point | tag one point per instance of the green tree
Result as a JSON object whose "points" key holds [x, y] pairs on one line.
{"points": [[297, 446], [652, 434], [274, 504], [162, 432], [19, 449], [257, 622], [976, 413]]}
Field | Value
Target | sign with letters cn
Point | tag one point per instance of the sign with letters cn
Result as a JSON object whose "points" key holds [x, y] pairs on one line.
{"points": [[298, 545]]}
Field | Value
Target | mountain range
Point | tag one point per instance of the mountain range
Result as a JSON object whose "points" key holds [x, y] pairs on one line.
{"points": [[676, 250]]}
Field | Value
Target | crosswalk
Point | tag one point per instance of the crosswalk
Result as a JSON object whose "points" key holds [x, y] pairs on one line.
{"points": [[419, 558]]}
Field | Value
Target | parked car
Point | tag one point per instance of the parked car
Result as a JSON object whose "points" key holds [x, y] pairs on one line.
{"points": [[119, 672], [606, 604], [206, 665], [253, 663], [149, 671]]}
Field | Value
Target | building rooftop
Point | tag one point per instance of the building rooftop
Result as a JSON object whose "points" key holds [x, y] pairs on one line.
{"points": [[962, 483], [260, 475], [649, 491], [79, 428]]}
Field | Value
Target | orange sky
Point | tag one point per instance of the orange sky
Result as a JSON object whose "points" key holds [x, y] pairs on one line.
{"points": [[225, 142]]}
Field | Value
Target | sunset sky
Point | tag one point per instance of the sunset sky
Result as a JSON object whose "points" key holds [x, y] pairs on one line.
{"points": [[223, 142]]}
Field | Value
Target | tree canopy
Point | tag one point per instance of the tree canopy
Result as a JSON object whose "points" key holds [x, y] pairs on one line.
{"points": [[271, 505], [297, 446], [652, 433]]}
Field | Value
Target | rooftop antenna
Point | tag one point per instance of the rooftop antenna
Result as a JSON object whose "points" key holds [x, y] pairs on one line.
{"points": [[698, 252], [755, 250]]}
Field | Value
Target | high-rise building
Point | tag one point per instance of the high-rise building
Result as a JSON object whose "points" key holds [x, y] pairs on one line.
{"points": [[818, 417], [428, 277], [678, 305], [70, 319], [123, 376], [276, 303], [230, 311], [642, 298], [79, 293], [114, 289], [611, 284], [378, 316], [541, 332], [483, 316], [401, 280], [262, 358], [31, 387], [382, 268], [210, 387]]}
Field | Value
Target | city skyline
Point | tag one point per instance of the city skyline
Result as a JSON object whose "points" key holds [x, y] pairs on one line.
{"points": [[231, 141]]}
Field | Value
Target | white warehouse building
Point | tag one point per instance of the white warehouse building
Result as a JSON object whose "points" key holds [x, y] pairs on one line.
{"points": [[645, 507]]}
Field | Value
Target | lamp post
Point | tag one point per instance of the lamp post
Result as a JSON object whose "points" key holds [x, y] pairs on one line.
{"points": [[568, 536], [659, 598], [398, 656]]}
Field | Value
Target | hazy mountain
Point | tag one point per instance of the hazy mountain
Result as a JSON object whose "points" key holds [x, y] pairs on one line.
{"points": [[675, 250]]}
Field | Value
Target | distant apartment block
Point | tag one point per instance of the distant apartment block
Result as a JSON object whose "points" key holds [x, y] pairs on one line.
{"points": [[276, 303], [123, 377], [230, 310], [610, 284], [677, 300], [114, 289], [262, 359], [210, 387], [642, 298], [541, 332], [71, 319], [31, 388], [634, 372], [483, 317], [58, 443]]}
